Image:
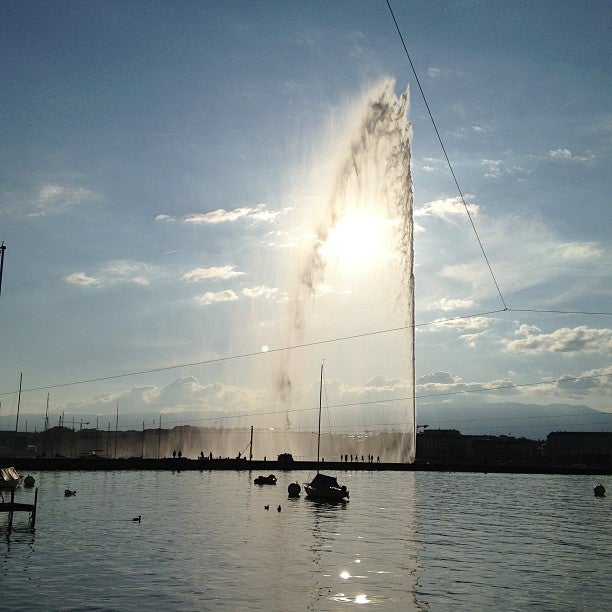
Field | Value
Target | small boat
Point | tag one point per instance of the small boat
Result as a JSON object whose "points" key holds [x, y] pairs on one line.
{"points": [[266, 480], [9, 478], [324, 488]]}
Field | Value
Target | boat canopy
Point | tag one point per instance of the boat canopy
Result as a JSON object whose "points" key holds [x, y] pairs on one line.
{"points": [[9, 475], [321, 481]]}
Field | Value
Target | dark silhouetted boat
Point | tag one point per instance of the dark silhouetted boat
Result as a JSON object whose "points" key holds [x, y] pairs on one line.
{"points": [[324, 488], [265, 480]]}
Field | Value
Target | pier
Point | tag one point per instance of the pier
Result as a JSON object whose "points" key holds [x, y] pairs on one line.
{"points": [[12, 507]]}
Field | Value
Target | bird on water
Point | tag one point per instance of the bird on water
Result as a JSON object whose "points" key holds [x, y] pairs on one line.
{"points": [[137, 519]]}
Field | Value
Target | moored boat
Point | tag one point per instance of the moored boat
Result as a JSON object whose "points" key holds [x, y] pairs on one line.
{"points": [[266, 480], [324, 488], [9, 478]]}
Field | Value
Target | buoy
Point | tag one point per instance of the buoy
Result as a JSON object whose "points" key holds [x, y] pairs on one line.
{"points": [[69, 493], [279, 508], [294, 489], [267, 507], [599, 491]]}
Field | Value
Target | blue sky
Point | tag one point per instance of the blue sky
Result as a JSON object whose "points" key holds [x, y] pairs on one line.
{"points": [[157, 161]]}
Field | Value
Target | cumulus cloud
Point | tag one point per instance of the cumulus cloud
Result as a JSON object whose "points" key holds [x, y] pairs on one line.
{"points": [[598, 379], [444, 383], [199, 274], [211, 297], [445, 208], [566, 340], [221, 215], [440, 377]]}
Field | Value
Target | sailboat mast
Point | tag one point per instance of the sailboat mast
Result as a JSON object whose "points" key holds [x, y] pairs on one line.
{"points": [[319, 434]]}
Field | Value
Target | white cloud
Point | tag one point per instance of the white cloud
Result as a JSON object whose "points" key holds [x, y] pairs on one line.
{"points": [[472, 339], [441, 383], [445, 208], [211, 297], [226, 216], [164, 217], [493, 167], [579, 250], [114, 273], [199, 274], [443, 378], [566, 154], [261, 291], [452, 304], [468, 323], [566, 340], [560, 154], [433, 72], [80, 278], [54, 198]]}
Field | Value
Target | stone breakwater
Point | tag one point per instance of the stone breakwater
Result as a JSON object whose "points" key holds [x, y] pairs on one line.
{"points": [[95, 464]]}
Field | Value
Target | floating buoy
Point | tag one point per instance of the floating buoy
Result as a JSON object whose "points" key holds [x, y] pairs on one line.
{"points": [[294, 489], [599, 491], [279, 508], [28, 481], [69, 493]]}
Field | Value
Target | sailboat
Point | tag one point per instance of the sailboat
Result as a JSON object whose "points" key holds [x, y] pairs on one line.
{"points": [[324, 488]]}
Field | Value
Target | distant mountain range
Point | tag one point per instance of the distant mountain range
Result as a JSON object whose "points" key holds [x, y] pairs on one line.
{"points": [[533, 421], [507, 418]]}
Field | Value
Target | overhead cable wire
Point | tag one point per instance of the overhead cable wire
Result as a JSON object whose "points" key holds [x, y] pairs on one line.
{"points": [[260, 353], [450, 166]]}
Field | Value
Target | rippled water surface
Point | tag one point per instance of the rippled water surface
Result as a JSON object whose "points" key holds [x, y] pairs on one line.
{"points": [[406, 541]]}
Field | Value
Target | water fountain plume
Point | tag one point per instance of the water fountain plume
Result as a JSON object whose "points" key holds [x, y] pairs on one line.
{"points": [[369, 176]]}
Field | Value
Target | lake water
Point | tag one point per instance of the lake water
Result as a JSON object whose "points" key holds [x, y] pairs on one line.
{"points": [[405, 541]]}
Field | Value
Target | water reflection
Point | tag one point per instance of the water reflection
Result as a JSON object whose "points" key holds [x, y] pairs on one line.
{"points": [[364, 553]]}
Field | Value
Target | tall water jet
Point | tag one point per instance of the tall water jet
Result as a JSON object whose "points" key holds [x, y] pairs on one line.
{"points": [[360, 217]]}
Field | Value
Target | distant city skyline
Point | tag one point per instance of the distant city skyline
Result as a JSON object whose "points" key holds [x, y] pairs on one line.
{"points": [[165, 168]]}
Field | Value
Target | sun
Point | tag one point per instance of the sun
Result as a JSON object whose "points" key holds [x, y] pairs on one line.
{"points": [[358, 240]]}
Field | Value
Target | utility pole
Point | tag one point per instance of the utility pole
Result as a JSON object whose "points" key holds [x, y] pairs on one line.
{"points": [[159, 437], [2, 249], [17, 419], [116, 429]]}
